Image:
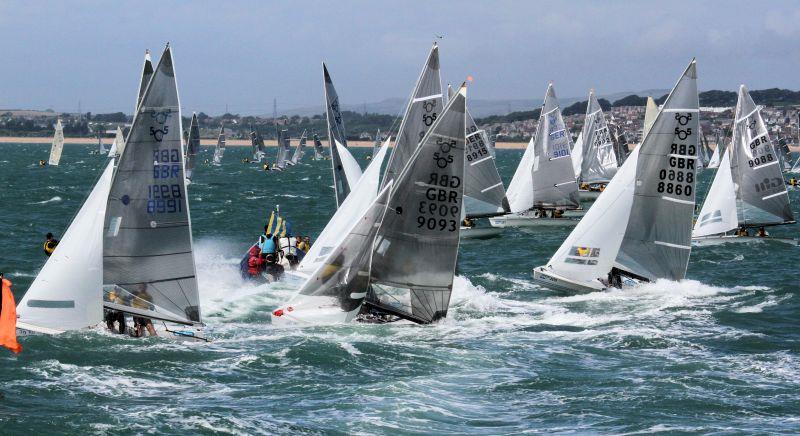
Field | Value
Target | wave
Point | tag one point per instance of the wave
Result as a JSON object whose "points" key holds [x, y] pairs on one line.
{"points": [[55, 199]]}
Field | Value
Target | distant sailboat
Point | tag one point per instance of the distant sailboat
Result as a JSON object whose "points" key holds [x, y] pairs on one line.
{"points": [[376, 145], [639, 229], [148, 258], [345, 175], [58, 144], [101, 149], [257, 145], [299, 151], [378, 253], [599, 160], [219, 150], [280, 157], [192, 147], [118, 146], [544, 180], [319, 152], [748, 190], [67, 292]]}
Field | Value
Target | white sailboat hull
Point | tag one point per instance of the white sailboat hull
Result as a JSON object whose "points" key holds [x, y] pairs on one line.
{"points": [[178, 332], [313, 311], [549, 279], [529, 220], [713, 240], [479, 232]]}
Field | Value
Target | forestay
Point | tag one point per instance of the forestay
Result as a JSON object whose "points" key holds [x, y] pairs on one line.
{"points": [[147, 255], [58, 144], [67, 292], [336, 134], [554, 184], [718, 214], [416, 248], [760, 188], [424, 106], [658, 235], [192, 146], [599, 162]]}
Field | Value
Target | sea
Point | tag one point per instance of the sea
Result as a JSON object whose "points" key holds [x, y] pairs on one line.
{"points": [[718, 352]]}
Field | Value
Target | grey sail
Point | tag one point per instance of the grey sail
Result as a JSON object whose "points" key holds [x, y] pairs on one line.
{"points": [[423, 108], [219, 150], [376, 145], [192, 147], [147, 73], [599, 163], [484, 193], [300, 150], [658, 235], [256, 144], [761, 194], [148, 261], [318, 150], [336, 133], [415, 250], [554, 184], [283, 149]]}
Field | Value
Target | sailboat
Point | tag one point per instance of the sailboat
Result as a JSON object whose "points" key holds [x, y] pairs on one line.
{"points": [[67, 292], [280, 157], [58, 144], [376, 145], [148, 257], [378, 253], [346, 170], [748, 190], [544, 180], [598, 162], [319, 152], [639, 228], [192, 147], [299, 151], [219, 150], [118, 146], [101, 149], [257, 145]]}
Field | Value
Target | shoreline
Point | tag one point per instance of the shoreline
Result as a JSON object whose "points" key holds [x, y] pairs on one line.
{"points": [[208, 142]]}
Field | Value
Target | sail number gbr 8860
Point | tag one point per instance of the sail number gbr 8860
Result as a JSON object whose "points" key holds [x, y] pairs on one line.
{"points": [[440, 209], [165, 197], [678, 178]]}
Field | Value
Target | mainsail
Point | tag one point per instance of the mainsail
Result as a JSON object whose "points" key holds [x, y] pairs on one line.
{"points": [[599, 162], [718, 214], [300, 149], [554, 184], [658, 235], [147, 73], [219, 150], [283, 149], [342, 184], [761, 194], [415, 250], [66, 294], [256, 144], [58, 144], [192, 146], [148, 261], [423, 107]]}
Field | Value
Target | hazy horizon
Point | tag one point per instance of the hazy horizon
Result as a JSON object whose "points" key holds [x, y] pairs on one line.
{"points": [[243, 54]]}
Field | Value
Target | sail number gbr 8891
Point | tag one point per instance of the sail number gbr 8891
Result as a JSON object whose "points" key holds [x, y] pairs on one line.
{"points": [[440, 209], [678, 177], [164, 196]]}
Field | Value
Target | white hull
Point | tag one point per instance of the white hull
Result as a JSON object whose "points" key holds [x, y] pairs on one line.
{"points": [[707, 241], [529, 220], [166, 330], [479, 232], [549, 279]]}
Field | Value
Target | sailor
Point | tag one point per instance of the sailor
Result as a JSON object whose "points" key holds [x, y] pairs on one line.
{"points": [[301, 244], [265, 167], [307, 241], [266, 242], [762, 233], [742, 231], [50, 244], [614, 279], [558, 213], [111, 316], [272, 268], [143, 300], [793, 182], [42, 162], [255, 263], [468, 222]]}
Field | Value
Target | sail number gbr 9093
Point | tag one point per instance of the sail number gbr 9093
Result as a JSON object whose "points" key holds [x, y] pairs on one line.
{"points": [[678, 177], [440, 209], [164, 196]]}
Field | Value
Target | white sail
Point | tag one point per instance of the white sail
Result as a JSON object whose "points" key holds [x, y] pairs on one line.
{"points": [[657, 241], [599, 162], [336, 138], [520, 190], [650, 114], [714, 161], [718, 214], [299, 151], [118, 146], [796, 166], [58, 144], [219, 150], [577, 155], [67, 292], [148, 260], [349, 166], [354, 206], [147, 73]]}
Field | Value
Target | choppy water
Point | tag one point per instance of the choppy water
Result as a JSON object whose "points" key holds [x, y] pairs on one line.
{"points": [[715, 353]]}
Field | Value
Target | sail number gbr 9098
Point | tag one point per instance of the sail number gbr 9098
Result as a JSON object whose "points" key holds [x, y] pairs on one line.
{"points": [[164, 196], [678, 177], [440, 209]]}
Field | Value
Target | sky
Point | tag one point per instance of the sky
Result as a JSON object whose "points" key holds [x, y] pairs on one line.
{"points": [[242, 54]]}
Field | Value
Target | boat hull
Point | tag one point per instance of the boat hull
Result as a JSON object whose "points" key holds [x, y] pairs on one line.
{"points": [[708, 241], [529, 220], [547, 278], [479, 232], [586, 195], [172, 331]]}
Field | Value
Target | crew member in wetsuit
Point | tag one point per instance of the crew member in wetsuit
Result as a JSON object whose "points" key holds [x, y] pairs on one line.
{"points": [[50, 244], [111, 316], [762, 232], [614, 279], [143, 300]]}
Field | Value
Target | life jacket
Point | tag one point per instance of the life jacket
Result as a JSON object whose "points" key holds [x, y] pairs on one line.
{"points": [[50, 246], [254, 261]]}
